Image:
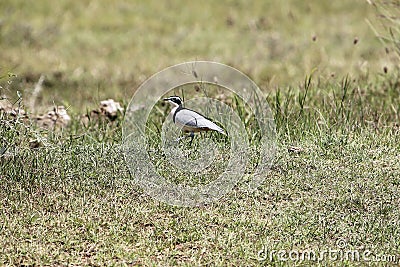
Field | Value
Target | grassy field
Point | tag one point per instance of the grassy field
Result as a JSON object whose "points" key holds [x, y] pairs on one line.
{"points": [[333, 88]]}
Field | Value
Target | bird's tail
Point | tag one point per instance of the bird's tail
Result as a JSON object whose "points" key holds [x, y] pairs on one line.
{"points": [[219, 129]]}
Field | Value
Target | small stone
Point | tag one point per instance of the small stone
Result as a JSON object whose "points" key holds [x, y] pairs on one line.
{"points": [[294, 149]]}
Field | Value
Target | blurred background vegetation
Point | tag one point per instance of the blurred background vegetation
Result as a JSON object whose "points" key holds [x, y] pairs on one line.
{"points": [[92, 50], [68, 197]]}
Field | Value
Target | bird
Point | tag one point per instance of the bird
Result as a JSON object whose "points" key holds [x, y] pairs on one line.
{"points": [[189, 120]]}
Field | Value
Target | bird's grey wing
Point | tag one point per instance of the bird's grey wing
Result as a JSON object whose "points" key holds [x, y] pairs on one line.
{"points": [[188, 118], [193, 119]]}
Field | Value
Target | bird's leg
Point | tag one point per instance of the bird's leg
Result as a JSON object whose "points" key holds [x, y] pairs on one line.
{"points": [[191, 135]]}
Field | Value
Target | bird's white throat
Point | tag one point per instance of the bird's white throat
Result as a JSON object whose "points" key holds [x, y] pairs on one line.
{"points": [[174, 109]]}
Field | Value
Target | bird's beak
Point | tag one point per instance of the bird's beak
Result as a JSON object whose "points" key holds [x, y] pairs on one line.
{"points": [[166, 99]]}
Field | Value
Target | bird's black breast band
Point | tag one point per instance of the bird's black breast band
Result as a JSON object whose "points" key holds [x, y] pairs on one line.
{"points": [[176, 111]]}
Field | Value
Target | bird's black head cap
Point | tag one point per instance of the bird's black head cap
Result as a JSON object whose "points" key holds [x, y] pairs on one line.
{"points": [[175, 99]]}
